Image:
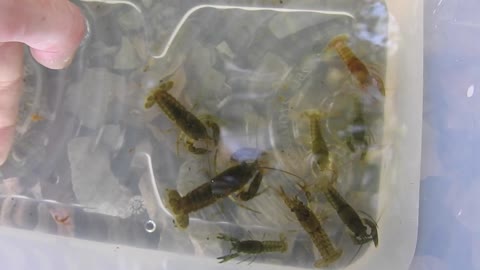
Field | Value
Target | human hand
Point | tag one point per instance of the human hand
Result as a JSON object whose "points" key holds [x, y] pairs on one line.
{"points": [[52, 29]]}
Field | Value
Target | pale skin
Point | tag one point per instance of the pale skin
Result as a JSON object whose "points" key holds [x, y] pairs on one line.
{"points": [[52, 29]]}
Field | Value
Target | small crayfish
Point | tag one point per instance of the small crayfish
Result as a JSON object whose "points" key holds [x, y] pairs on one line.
{"points": [[313, 227], [320, 152], [253, 247], [365, 77], [356, 225], [193, 129], [357, 137], [320, 157], [223, 185]]}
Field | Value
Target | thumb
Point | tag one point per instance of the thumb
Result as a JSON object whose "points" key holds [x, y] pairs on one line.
{"points": [[53, 29]]}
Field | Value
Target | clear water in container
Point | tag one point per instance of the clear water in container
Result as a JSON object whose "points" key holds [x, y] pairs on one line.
{"points": [[91, 162]]}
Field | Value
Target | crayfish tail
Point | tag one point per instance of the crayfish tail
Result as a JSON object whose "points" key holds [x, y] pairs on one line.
{"points": [[174, 201], [324, 262]]}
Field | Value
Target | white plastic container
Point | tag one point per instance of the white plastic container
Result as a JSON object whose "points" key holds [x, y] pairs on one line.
{"points": [[110, 159]]}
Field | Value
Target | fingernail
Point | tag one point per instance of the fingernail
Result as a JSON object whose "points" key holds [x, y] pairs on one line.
{"points": [[59, 63], [52, 60], [67, 61]]}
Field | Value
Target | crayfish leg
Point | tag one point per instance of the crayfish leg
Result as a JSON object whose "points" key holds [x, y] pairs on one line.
{"points": [[252, 188], [228, 257]]}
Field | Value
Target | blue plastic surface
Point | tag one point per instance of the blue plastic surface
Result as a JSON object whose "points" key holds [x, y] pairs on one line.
{"points": [[449, 220]]}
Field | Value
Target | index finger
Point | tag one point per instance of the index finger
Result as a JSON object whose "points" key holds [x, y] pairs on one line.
{"points": [[53, 29]]}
